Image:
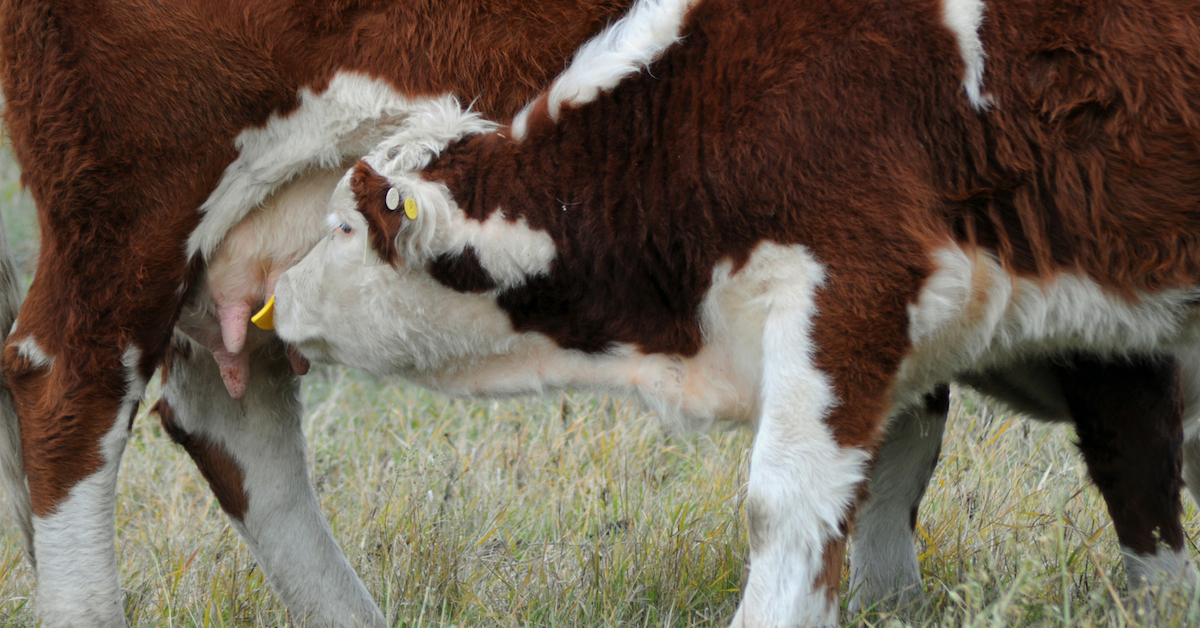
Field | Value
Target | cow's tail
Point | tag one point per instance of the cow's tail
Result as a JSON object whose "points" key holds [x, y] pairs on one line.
{"points": [[12, 467]]}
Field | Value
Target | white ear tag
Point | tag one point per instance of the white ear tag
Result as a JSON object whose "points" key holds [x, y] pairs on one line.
{"points": [[392, 199], [370, 257]]}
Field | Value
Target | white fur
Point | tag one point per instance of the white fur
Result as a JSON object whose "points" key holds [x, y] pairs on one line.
{"points": [[283, 524], [964, 17], [352, 115], [509, 251], [76, 560], [973, 316], [1164, 567], [619, 51], [883, 556], [801, 482], [29, 349]]}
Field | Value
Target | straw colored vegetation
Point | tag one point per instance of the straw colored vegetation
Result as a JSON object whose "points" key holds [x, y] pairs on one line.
{"points": [[577, 510]]}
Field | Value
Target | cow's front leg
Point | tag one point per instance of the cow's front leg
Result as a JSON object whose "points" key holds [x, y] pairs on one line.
{"points": [[883, 557], [76, 407], [252, 453]]}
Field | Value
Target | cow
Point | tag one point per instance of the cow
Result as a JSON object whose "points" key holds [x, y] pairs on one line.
{"points": [[148, 132], [807, 217]]}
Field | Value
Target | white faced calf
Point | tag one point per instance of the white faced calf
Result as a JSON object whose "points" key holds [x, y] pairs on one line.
{"points": [[807, 217]]}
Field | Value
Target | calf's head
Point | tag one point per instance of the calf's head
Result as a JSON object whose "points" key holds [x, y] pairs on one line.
{"points": [[365, 295]]}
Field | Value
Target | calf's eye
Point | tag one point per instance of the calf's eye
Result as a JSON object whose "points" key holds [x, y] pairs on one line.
{"points": [[345, 228]]}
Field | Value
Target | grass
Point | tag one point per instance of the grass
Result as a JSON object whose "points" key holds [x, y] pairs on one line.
{"points": [[578, 510]]}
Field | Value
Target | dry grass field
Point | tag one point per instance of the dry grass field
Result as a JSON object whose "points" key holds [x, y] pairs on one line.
{"points": [[578, 510]]}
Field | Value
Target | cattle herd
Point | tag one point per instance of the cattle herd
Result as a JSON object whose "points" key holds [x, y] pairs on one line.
{"points": [[807, 218]]}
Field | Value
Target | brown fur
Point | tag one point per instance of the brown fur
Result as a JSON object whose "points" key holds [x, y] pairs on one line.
{"points": [[218, 467], [123, 115]]}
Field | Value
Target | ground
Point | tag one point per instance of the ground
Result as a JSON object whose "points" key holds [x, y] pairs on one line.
{"points": [[577, 510]]}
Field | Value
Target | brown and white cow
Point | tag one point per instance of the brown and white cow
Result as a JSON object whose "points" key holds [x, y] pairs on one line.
{"points": [[146, 131], [807, 217]]}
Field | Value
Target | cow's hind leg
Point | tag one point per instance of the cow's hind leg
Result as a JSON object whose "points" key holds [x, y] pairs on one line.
{"points": [[1128, 420], [883, 556], [12, 467], [76, 408], [1189, 377], [252, 452]]}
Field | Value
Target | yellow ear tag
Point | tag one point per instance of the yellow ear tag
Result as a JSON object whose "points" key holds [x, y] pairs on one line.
{"points": [[410, 208], [265, 319]]}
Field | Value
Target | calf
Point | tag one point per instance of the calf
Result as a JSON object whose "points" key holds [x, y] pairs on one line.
{"points": [[807, 217]]}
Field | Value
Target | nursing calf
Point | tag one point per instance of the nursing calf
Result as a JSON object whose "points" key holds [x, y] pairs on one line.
{"points": [[808, 217]]}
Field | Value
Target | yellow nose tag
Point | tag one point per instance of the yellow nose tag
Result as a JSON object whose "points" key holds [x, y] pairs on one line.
{"points": [[265, 319], [410, 208]]}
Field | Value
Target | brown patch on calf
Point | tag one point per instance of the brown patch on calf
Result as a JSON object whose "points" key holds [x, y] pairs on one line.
{"points": [[832, 558], [218, 467], [383, 224], [462, 272]]}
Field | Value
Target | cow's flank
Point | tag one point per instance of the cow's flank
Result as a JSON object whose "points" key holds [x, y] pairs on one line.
{"points": [[808, 217]]}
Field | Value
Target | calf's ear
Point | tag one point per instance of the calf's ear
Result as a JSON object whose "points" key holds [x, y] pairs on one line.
{"points": [[384, 208]]}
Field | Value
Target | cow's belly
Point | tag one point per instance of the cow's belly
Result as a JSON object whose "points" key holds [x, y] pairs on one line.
{"points": [[972, 316]]}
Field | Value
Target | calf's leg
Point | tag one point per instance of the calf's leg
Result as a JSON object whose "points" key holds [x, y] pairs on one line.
{"points": [[252, 453], [1128, 420], [883, 556], [822, 404]]}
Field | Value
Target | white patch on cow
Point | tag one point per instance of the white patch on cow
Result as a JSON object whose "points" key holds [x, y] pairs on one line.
{"points": [[973, 316], [883, 554], [29, 349], [1164, 567], [76, 559], [283, 524], [964, 17], [346, 120], [619, 51]]}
